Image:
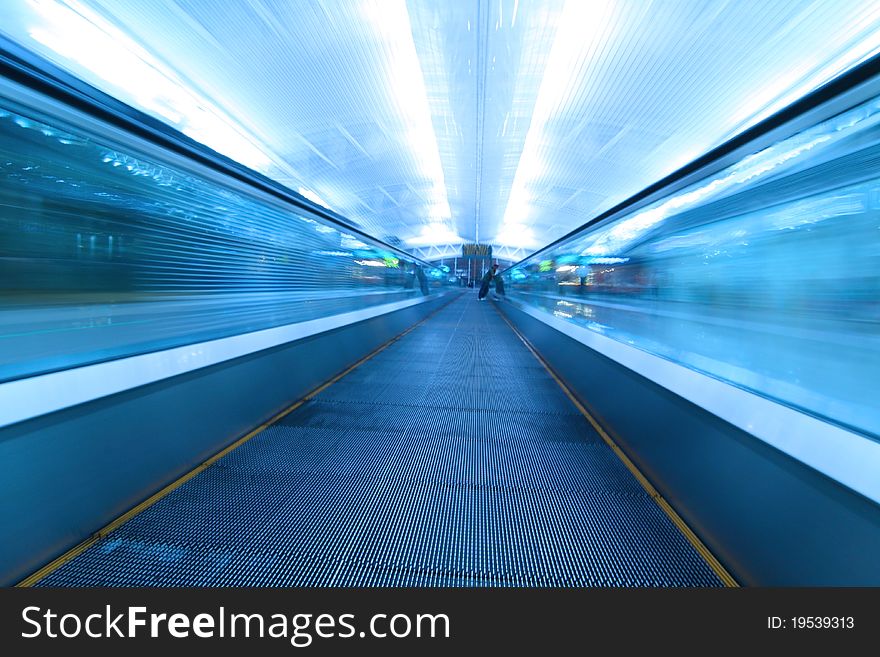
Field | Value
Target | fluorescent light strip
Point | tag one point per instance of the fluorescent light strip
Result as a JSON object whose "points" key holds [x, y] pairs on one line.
{"points": [[862, 42], [847, 457], [391, 23], [579, 24], [614, 238], [435, 234], [100, 50], [35, 396]]}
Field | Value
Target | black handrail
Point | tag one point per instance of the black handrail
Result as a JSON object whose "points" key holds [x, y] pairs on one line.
{"points": [[30, 70], [857, 75]]}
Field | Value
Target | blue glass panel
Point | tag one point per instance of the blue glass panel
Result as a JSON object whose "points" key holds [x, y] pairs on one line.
{"points": [[108, 251], [765, 274]]}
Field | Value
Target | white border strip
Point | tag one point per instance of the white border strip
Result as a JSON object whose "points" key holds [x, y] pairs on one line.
{"points": [[28, 398], [847, 457]]}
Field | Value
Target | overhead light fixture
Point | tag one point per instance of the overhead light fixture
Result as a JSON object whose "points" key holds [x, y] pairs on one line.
{"points": [[579, 24], [855, 46], [102, 54], [391, 23], [517, 236], [434, 234], [613, 239]]}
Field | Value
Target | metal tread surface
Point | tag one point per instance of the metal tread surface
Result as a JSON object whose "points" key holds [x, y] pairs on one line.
{"points": [[450, 458]]}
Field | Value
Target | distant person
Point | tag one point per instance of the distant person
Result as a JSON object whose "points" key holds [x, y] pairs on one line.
{"points": [[484, 284], [499, 286], [423, 281]]}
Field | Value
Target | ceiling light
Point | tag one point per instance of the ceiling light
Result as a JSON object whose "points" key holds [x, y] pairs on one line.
{"points": [[391, 23], [579, 24], [433, 234], [97, 49], [855, 46], [516, 235]]}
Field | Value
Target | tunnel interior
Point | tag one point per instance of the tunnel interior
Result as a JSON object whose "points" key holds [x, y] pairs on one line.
{"points": [[251, 335]]}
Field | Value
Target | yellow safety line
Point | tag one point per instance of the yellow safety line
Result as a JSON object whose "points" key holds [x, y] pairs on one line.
{"points": [[726, 578], [101, 533]]}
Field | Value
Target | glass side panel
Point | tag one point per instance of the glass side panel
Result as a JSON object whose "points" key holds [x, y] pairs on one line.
{"points": [[107, 253], [765, 275]]}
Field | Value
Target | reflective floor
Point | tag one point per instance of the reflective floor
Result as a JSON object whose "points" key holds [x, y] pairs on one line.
{"points": [[451, 458]]}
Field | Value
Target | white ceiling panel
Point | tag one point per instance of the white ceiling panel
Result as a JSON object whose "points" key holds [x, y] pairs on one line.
{"points": [[431, 122]]}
